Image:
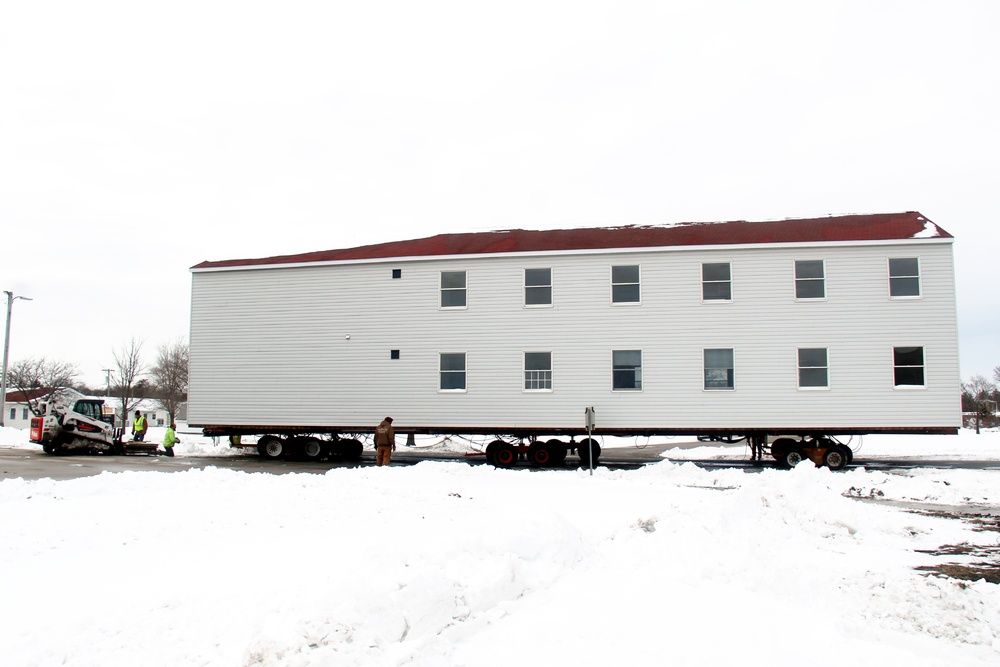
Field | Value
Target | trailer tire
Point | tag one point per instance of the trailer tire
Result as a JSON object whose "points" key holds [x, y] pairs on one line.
{"points": [[271, 447], [781, 447], [351, 449], [557, 451], [491, 450], [540, 454], [835, 458], [793, 457], [312, 449], [505, 456], [583, 451]]}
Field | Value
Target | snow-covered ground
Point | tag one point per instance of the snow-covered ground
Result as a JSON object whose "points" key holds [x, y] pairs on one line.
{"points": [[443, 563]]}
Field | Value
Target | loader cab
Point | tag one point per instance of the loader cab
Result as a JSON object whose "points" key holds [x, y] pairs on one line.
{"points": [[89, 408]]}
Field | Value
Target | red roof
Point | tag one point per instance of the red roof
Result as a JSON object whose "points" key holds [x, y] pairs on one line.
{"points": [[875, 227], [18, 396]]}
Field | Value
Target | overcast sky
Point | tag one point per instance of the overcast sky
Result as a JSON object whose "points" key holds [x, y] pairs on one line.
{"points": [[138, 139]]}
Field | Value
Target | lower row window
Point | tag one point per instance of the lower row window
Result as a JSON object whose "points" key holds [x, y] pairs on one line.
{"points": [[908, 366], [719, 369]]}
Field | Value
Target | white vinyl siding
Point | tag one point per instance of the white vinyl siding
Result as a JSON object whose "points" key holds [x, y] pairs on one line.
{"points": [[270, 346]]}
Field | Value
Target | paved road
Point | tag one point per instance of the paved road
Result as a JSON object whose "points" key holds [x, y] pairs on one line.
{"points": [[33, 464]]}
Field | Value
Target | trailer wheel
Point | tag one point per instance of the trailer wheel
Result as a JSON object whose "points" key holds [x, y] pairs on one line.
{"points": [[793, 457], [271, 447], [351, 449], [583, 451], [540, 454], [781, 447], [557, 452], [835, 458], [491, 451], [312, 449], [504, 456]]}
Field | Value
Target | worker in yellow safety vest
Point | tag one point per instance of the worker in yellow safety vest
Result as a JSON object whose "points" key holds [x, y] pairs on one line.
{"points": [[139, 427]]}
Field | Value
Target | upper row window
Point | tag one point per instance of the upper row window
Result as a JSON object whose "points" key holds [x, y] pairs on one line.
{"points": [[904, 277], [453, 289], [716, 282], [810, 279], [625, 284], [538, 287]]}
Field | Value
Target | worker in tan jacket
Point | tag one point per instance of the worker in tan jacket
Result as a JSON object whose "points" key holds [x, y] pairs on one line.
{"points": [[385, 442]]}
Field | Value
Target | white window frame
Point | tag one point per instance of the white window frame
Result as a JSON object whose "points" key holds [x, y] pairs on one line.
{"points": [[546, 375], [640, 367], [796, 280], [465, 372], [704, 369], [922, 367], [704, 282], [528, 287], [890, 277], [638, 285], [442, 289], [800, 368]]}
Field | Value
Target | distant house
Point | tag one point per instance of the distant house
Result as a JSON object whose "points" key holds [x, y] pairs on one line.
{"points": [[148, 407], [16, 410]]}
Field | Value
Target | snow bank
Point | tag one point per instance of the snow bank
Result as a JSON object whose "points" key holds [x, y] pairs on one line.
{"points": [[448, 564]]}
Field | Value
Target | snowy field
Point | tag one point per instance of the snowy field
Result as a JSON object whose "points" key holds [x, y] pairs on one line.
{"points": [[446, 564]]}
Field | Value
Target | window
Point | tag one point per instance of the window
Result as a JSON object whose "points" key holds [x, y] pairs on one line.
{"points": [[626, 370], [397, 273], [720, 371], [538, 371], [453, 289], [394, 354], [24, 413], [13, 414], [813, 368], [810, 279], [908, 366], [716, 282], [625, 284], [904, 277], [452, 371], [538, 287]]}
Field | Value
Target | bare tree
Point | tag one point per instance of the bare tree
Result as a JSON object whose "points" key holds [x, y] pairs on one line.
{"points": [[128, 369], [979, 396], [40, 379], [171, 375]]}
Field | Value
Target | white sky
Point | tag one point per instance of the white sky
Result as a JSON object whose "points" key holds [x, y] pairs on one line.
{"points": [[137, 140]]}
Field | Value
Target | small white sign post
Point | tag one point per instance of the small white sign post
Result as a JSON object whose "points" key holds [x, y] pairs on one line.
{"points": [[590, 419]]}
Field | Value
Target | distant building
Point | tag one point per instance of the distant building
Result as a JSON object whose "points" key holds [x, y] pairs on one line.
{"points": [[16, 411]]}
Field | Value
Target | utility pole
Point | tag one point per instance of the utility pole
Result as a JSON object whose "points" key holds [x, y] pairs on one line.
{"points": [[6, 349], [107, 382]]}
